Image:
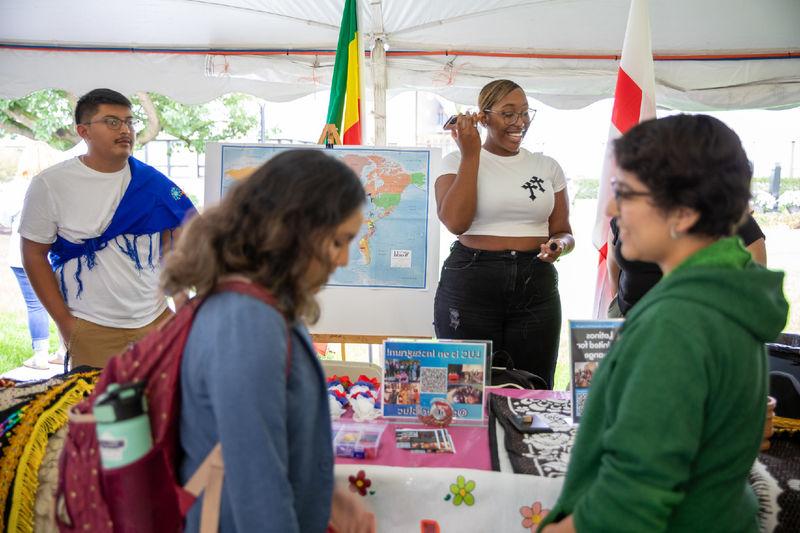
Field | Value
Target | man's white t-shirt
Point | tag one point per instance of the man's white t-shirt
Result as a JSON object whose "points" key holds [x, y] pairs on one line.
{"points": [[77, 203]]}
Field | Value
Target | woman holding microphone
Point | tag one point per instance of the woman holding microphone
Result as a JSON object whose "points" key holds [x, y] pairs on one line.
{"points": [[510, 210]]}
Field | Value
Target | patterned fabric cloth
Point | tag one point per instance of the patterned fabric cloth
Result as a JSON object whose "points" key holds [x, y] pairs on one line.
{"points": [[775, 477], [539, 454], [776, 481], [44, 508], [29, 415]]}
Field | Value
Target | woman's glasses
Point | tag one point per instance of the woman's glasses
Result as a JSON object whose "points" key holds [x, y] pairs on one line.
{"points": [[510, 117], [622, 194]]}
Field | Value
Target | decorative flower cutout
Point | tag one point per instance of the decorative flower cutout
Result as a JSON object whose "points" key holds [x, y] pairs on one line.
{"points": [[359, 483], [462, 491], [533, 516]]}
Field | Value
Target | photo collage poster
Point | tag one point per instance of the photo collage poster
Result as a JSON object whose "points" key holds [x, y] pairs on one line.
{"points": [[417, 372]]}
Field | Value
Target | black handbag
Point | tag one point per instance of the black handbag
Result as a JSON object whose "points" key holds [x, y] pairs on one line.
{"points": [[504, 374]]}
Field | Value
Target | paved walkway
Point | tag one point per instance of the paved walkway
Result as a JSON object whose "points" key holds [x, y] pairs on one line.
{"points": [[24, 373]]}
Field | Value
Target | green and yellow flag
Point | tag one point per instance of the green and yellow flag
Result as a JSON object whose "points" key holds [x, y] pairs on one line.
{"points": [[345, 87]]}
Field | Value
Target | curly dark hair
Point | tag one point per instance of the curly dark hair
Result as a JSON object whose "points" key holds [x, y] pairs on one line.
{"points": [[693, 161], [88, 103], [269, 228]]}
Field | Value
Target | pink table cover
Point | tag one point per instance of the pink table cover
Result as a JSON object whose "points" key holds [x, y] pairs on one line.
{"points": [[471, 442]]}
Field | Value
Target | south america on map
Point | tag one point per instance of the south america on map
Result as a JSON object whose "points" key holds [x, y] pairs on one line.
{"points": [[391, 248]]}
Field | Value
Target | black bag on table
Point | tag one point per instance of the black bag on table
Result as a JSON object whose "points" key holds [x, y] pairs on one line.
{"points": [[505, 375], [784, 375]]}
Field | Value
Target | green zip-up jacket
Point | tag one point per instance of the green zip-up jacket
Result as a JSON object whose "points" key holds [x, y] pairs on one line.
{"points": [[676, 412]]}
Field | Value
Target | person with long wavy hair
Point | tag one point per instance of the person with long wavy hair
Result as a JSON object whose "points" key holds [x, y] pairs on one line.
{"points": [[248, 381]]}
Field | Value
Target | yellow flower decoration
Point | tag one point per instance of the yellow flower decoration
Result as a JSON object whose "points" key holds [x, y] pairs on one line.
{"points": [[462, 491]]}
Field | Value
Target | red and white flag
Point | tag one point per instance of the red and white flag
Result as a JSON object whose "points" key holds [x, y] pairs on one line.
{"points": [[634, 101]]}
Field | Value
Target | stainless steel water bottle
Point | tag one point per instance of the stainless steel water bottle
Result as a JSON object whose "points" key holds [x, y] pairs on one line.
{"points": [[123, 427]]}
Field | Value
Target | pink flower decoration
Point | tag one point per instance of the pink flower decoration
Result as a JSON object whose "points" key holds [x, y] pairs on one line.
{"points": [[533, 516]]}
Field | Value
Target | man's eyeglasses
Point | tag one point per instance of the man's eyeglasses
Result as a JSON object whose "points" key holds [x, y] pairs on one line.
{"points": [[114, 123], [510, 117]]}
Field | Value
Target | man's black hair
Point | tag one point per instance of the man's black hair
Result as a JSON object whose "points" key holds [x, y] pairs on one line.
{"points": [[89, 102]]}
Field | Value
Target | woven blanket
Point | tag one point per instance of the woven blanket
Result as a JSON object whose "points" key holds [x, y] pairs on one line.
{"points": [[30, 414], [776, 481], [775, 477], [539, 454]]}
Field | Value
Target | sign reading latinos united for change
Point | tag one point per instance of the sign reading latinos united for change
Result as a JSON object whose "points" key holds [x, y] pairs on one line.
{"points": [[415, 373], [590, 341], [391, 248]]}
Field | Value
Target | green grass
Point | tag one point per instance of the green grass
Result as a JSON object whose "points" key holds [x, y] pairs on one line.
{"points": [[778, 218], [787, 184], [561, 377], [584, 189], [15, 342]]}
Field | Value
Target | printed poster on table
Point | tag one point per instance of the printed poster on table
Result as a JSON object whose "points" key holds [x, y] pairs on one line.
{"points": [[590, 341], [417, 372]]}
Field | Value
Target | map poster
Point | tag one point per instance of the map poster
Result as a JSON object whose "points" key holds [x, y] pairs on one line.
{"points": [[590, 341], [417, 372], [387, 289], [391, 248]]}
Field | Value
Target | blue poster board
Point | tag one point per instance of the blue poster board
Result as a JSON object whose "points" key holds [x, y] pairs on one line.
{"points": [[590, 341], [417, 372]]}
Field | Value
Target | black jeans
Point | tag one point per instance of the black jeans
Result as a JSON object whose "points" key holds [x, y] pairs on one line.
{"points": [[508, 297]]}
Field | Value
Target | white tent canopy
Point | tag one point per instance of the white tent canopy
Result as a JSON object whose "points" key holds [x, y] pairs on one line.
{"points": [[710, 54]]}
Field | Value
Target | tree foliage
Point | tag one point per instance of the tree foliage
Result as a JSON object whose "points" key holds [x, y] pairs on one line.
{"points": [[43, 115], [194, 125], [48, 116]]}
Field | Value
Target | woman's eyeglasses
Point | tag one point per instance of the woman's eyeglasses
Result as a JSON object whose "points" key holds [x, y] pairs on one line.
{"points": [[623, 194], [510, 117]]}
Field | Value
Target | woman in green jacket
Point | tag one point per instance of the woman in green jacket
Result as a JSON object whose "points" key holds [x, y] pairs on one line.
{"points": [[676, 412]]}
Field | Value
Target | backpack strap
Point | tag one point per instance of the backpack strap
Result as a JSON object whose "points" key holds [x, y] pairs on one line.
{"points": [[209, 477], [210, 474]]}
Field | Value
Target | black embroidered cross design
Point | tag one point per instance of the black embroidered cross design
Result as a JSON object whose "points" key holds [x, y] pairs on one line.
{"points": [[533, 183]]}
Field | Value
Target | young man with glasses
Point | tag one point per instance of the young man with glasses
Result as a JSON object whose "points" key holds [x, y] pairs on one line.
{"points": [[104, 219]]}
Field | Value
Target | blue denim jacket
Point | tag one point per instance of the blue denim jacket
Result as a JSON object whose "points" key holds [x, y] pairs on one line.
{"points": [[276, 438]]}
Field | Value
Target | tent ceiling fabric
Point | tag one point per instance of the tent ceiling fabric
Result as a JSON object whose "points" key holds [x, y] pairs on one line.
{"points": [[561, 27]]}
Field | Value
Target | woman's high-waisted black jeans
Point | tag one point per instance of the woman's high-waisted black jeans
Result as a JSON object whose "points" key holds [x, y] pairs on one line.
{"points": [[508, 297]]}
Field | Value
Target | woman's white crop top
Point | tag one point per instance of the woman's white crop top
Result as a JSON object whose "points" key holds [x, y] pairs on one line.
{"points": [[515, 193]]}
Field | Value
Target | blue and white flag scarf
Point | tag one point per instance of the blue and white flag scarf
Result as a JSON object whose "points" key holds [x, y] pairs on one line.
{"points": [[151, 204]]}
